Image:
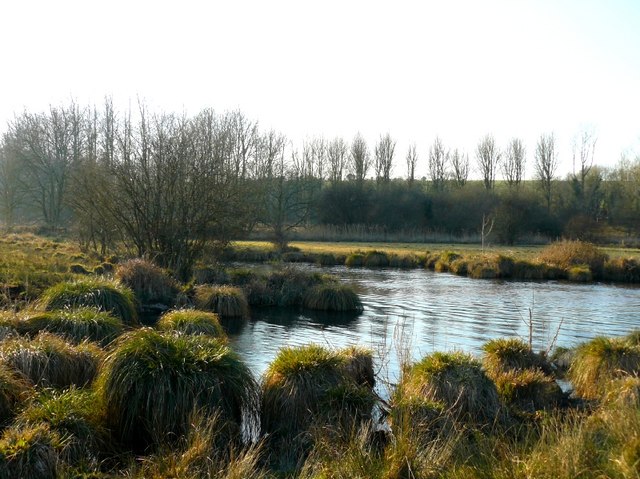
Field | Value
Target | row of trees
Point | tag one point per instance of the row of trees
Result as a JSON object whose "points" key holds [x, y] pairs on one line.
{"points": [[166, 184]]}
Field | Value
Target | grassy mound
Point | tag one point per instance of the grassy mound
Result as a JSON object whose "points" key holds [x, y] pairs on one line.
{"points": [[354, 260], [29, 453], [282, 287], [227, 301], [76, 325], [569, 254], [528, 390], [50, 361], [458, 382], [599, 361], [505, 354], [332, 297], [376, 259], [190, 321], [149, 283], [8, 323], [305, 387], [92, 293], [14, 390], [624, 270], [152, 382], [74, 417]]}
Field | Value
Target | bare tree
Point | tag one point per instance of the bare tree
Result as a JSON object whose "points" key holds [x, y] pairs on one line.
{"points": [[412, 161], [546, 165], [337, 159], [514, 163], [384, 152], [11, 171], [438, 162], [488, 158], [460, 167], [584, 146], [360, 158]]}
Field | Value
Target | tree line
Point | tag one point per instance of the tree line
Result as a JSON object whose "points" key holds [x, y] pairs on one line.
{"points": [[165, 185]]}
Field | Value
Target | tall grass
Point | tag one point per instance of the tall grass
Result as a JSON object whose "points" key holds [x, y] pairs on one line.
{"points": [[332, 297], [15, 389], [226, 301], [190, 321], [150, 284], [75, 325], [102, 294], [49, 361], [151, 382], [29, 453]]}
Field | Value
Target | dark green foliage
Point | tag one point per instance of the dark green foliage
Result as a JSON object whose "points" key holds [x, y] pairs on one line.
{"points": [[190, 321], [149, 283], [226, 301], [152, 382], [332, 297], [76, 325], [29, 453], [50, 361], [93, 293]]}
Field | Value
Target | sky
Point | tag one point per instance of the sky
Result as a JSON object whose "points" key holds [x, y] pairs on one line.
{"points": [[416, 69]]}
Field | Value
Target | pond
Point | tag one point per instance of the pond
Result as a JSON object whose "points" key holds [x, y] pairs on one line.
{"points": [[408, 314]]}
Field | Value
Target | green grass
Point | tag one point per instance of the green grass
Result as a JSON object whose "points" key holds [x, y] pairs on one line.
{"points": [[191, 321], [29, 453], [75, 325], [150, 284], [152, 382], [332, 297], [15, 390], [226, 301], [102, 294]]}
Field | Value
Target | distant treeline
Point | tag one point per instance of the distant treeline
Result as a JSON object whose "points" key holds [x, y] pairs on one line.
{"points": [[164, 185]]}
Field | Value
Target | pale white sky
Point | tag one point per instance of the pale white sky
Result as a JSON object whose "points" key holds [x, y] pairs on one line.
{"points": [[457, 69]]}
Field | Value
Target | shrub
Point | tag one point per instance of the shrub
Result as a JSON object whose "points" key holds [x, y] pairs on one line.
{"points": [[227, 301], [376, 259], [354, 259], [149, 283], [14, 389], [93, 293], [76, 325], [567, 254], [29, 453], [309, 386], [74, 417], [190, 321], [599, 361], [332, 297], [152, 382], [457, 381], [50, 361], [624, 270], [502, 355]]}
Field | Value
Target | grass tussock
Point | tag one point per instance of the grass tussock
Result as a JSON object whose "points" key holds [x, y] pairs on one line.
{"points": [[528, 390], [191, 321], [96, 293], [29, 453], [283, 287], [150, 284], [308, 387], [226, 301], [622, 270], [505, 354], [49, 361], [354, 260], [458, 382], [599, 361], [376, 259], [75, 325], [152, 382], [75, 418], [570, 254], [332, 297], [14, 391]]}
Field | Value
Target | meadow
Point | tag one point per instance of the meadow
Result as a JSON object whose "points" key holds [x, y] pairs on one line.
{"points": [[90, 388]]}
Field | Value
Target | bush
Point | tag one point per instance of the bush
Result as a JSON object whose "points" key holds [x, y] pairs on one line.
{"points": [[149, 283], [226, 301], [599, 361], [29, 453], [310, 386], [75, 325], [14, 390], [190, 321], [50, 361], [93, 293], [152, 382], [457, 381], [74, 417], [332, 297], [623, 270], [567, 254]]}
